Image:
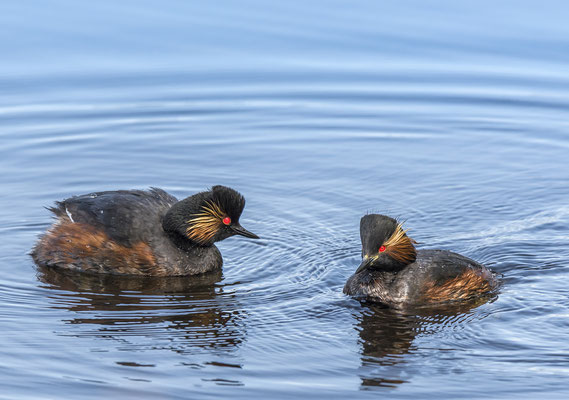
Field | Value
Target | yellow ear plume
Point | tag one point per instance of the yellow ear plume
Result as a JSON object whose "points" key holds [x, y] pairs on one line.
{"points": [[203, 226], [400, 246]]}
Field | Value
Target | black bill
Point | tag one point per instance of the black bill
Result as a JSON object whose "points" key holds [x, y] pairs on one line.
{"points": [[238, 229]]}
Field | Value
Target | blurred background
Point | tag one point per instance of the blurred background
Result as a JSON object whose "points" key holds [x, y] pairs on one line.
{"points": [[450, 115]]}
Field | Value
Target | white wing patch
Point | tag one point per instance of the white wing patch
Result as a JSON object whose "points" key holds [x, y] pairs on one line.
{"points": [[69, 214]]}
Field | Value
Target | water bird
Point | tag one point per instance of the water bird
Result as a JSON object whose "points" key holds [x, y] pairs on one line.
{"points": [[141, 232], [394, 273]]}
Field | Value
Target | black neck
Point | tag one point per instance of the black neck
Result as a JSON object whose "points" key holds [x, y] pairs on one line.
{"points": [[182, 242]]}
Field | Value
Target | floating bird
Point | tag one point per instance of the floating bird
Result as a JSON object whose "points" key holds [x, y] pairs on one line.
{"points": [[394, 273], [137, 232]]}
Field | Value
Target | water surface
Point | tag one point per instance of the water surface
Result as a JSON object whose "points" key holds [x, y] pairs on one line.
{"points": [[451, 116]]}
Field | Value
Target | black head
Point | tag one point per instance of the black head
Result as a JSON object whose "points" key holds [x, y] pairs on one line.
{"points": [[208, 217], [385, 245]]}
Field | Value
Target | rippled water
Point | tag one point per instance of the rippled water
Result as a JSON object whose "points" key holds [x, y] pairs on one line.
{"points": [[452, 116]]}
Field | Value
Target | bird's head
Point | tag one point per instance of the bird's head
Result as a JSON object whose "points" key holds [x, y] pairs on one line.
{"points": [[208, 217], [385, 244]]}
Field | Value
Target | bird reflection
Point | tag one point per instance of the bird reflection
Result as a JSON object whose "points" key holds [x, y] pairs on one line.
{"points": [[387, 336], [182, 314]]}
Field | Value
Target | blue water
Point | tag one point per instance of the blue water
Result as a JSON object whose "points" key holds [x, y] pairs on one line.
{"points": [[450, 115]]}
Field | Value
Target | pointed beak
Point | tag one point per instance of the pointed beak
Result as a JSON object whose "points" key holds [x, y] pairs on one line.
{"points": [[366, 262], [239, 230]]}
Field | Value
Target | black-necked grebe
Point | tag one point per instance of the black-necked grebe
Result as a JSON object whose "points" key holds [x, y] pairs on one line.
{"points": [[136, 232], [394, 273]]}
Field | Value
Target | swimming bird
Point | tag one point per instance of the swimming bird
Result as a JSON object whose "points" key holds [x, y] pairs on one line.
{"points": [[138, 232], [394, 273]]}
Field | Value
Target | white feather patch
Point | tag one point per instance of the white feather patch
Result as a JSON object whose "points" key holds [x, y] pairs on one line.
{"points": [[69, 214]]}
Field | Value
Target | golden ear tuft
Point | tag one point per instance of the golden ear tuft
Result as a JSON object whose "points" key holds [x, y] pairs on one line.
{"points": [[400, 246], [203, 226]]}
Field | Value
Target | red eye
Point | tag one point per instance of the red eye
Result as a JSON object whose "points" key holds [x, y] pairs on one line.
{"points": [[381, 249], [226, 220]]}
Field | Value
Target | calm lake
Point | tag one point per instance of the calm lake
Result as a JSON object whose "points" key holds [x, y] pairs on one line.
{"points": [[453, 116]]}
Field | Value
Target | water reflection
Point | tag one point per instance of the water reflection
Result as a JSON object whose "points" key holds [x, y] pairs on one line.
{"points": [[182, 314], [387, 338]]}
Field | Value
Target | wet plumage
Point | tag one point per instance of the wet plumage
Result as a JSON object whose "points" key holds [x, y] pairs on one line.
{"points": [[136, 232], [393, 272]]}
